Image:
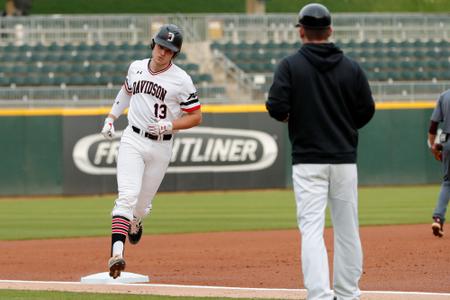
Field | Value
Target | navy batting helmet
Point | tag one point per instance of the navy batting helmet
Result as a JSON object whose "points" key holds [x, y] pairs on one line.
{"points": [[315, 16], [169, 36]]}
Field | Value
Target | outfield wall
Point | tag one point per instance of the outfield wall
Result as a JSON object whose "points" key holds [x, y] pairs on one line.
{"points": [[60, 151]]}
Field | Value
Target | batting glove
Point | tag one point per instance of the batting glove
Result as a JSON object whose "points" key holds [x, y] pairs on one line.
{"points": [[108, 128], [161, 127]]}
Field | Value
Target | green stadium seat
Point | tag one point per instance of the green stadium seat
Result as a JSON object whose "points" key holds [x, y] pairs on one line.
{"points": [[107, 68], [20, 69], [63, 68], [46, 81], [93, 68], [418, 75], [39, 47], [94, 57], [19, 80], [47, 68], [66, 57], [121, 68], [407, 75], [205, 77], [90, 80], [76, 80], [77, 69], [445, 75], [58, 80], [97, 47], [117, 80], [83, 47], [53, 57], [33, 80], [54, 47], [24, 48], [125, 47], [191, 67], [4, 81], [68, 48], [432, 64], [8, 57]]}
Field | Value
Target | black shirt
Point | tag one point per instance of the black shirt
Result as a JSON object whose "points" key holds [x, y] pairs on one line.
{"points": [[327, 98]]}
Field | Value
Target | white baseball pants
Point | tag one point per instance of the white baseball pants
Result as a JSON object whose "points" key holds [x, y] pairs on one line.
{"points": [[141, 166], [315, 185]]}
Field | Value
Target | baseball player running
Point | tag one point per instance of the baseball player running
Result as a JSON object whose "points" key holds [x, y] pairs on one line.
{"points": [[161, 99]]}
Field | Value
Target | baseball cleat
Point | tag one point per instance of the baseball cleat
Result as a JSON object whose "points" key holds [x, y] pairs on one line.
{"points": [[116, 264], [437, 227], [135, 231]]}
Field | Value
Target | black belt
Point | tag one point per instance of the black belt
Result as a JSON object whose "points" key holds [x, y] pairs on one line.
{"points": [[166, 137]]}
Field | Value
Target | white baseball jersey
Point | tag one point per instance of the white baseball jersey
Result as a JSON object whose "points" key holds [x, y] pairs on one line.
{"points": [[142, 162], [162, 95]]}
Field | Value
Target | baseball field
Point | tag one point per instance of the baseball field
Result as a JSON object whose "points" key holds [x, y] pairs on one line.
{"points": [[240, 239]]}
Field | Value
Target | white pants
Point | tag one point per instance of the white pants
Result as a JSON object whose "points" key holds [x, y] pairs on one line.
{"points": [[141, 166], [315, 185]]}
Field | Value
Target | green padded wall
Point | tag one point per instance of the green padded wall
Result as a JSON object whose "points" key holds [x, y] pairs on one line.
{"points": [[31, 155]]}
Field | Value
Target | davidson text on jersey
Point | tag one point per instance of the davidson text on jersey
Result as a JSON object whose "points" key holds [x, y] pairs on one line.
{"points": [[149, 87]]}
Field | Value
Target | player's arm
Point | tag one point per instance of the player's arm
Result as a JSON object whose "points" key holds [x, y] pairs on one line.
{"points": [[278, 103], [432, 131], [436, 149], [121, 102], [188, 120], [364, 108]]}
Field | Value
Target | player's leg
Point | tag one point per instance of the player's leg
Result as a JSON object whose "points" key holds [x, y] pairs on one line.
{"points": [[156, 164], [311, 192], [130, 167], [444, 195], [348, 257]]}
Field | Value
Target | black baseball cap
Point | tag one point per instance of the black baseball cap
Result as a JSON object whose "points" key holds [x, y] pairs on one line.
{"points": [[315, 16]]}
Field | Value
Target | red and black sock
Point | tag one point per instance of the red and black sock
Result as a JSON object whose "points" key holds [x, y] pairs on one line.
{"points": [[119, 229]]}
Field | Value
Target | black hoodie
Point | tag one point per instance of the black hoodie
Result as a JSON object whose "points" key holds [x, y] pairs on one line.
{"points": [[327, 98]]}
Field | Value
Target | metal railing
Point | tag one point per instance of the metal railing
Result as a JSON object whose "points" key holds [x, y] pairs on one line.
{"points": [[86, 95], [100, 96]]}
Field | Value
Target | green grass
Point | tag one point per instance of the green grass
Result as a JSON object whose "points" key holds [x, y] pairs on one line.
{"points": [[36, 295], [226, 6], [39, 218]]}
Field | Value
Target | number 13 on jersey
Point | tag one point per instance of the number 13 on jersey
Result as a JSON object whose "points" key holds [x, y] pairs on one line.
{"points": [[160, 111]]}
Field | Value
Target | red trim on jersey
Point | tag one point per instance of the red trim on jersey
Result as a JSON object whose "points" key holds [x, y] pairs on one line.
{"points": [[127, 89], [159, 72], [191, 109]]}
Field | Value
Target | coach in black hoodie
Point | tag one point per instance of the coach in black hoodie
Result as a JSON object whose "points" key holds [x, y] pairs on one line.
{"points": [[325, 98]]}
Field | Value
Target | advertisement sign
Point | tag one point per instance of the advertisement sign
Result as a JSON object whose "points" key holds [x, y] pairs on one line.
{"points": [[215, 155]]}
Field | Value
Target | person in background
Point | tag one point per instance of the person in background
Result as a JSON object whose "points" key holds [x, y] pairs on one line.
{"points": [[324, 97], [441, 152]]}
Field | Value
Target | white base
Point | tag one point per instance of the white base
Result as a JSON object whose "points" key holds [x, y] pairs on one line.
{"points": [[125, 277]]}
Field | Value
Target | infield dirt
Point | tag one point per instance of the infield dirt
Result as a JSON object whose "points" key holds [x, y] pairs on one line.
{"points": [[397, 258]]}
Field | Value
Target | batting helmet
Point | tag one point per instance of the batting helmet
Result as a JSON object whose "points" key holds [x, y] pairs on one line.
{"points": [[314, 16], [169, 36]]}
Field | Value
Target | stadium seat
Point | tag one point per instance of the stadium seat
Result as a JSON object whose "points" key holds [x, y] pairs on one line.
{"points": [[46, 81], [205, 77], [107, 68], [68, 48]]}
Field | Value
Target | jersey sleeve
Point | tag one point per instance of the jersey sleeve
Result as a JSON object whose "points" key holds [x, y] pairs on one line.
{"points": [[127, 84], [188, 97], [121, 103], [437, 115], [278, 103]]}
